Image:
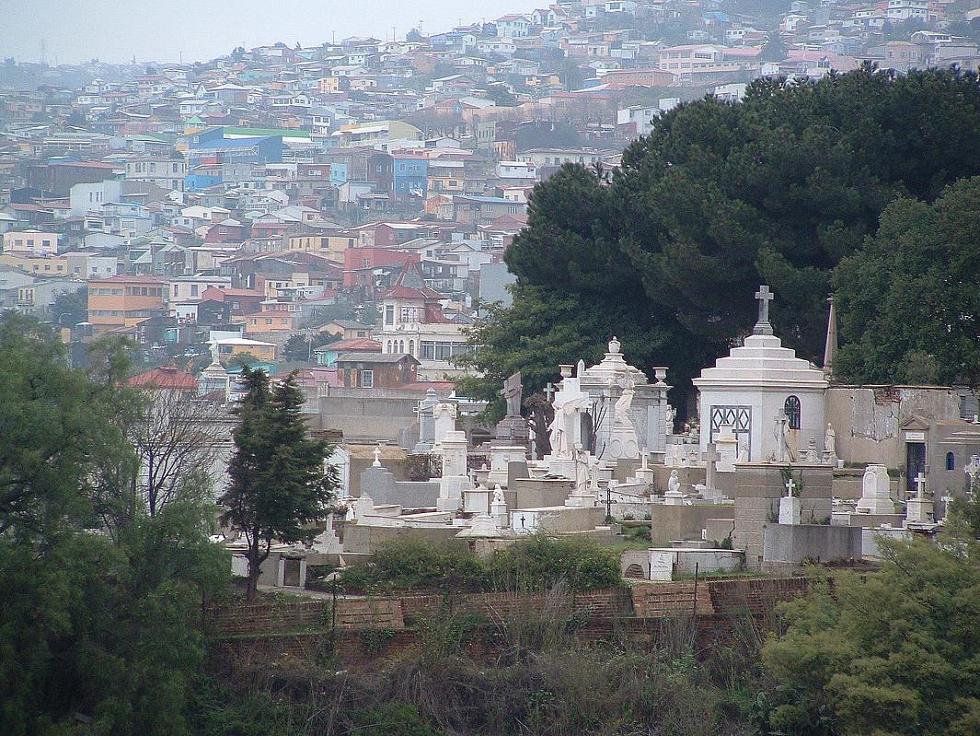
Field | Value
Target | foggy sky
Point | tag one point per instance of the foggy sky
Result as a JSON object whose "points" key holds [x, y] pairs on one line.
{"points": [[197, 30]]}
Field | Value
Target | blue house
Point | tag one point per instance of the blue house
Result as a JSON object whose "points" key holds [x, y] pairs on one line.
{"points": [[410, 175]]}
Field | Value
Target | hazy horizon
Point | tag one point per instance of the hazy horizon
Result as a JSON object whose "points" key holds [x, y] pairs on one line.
{"points": [[196, 31]]}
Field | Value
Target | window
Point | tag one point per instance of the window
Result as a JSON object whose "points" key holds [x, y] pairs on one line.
{"points": [[950, 461], [367, 379], [792, 410], [389, 314]]}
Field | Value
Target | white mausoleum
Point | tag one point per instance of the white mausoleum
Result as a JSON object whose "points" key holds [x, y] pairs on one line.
{"points": [[765, 394]]}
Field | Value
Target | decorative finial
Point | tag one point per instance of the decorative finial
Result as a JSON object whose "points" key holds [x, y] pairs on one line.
{"points": [[614, 345]]}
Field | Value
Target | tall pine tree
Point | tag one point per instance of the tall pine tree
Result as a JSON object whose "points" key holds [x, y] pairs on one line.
{"points": [[279, 484]]}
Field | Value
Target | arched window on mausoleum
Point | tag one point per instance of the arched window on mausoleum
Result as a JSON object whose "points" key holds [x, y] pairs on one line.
{"points": [[792, 411]]}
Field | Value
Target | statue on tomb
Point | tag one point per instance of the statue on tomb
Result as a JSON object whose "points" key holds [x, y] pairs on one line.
{"points": [[512, 394], [779, 434], [621, 410], [830, 442], [214, 352], [673, 483], [560, 429], [670, 414]]}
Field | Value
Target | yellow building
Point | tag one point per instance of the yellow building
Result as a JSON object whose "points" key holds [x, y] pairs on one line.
{"points": [[37, 265], [124, 301]]}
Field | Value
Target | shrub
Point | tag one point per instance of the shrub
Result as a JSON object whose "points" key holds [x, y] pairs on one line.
{"points": [[416, 565], [538, 563], [541, 563]]}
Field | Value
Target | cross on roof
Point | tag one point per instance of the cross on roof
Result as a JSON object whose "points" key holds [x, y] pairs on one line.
{"points": [[763, 296]]}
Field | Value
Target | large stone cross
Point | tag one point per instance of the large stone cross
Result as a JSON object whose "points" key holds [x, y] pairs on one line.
{"points": [[549, 391], [920, 485], [763, 296]]}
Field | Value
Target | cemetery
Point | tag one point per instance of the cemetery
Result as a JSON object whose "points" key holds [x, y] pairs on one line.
{"points": [[779, 467]]}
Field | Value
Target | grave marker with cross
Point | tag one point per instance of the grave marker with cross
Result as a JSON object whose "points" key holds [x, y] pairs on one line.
{"points": [[920, 485]]}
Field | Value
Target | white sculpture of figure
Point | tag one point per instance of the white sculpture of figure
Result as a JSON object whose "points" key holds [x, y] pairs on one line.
{"points": [[377, 456], [621, 411], [743, 452], [673, 496], [559, 431], [830, 442], [214, 352], [623, 443], [670, 415], [779, 434]]}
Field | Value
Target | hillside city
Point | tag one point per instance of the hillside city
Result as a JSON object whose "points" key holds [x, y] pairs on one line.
{"points": [[607, 369]]}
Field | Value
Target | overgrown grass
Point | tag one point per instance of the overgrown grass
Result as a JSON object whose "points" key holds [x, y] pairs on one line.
{"points": [[536, 678]]}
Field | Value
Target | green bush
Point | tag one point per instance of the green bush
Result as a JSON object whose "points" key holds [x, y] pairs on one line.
{"points": [[416, 565], [538, 563]]}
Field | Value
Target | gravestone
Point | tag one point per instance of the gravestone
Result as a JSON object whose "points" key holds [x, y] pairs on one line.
{"points": [[789, 506], [444, 416], [919, 510], [427, 429], [454, 479], [875, 492]]}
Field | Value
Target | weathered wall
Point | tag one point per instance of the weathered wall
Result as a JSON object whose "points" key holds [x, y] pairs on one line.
{"points": [[868, 419]]}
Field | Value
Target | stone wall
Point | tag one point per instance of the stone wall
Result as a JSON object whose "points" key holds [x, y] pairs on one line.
{"points": [[678, 523], [759, 487], [786, 546]]}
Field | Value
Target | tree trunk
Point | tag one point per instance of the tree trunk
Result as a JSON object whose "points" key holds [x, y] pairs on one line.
{"points": [[252, 581], [254, 567]]}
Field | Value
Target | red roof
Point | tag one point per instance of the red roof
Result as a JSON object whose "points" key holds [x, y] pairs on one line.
{"points": [[166, 377], [354, 345], [406, 292]]}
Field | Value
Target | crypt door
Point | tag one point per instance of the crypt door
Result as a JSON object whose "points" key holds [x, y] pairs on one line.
{"points": [[915, 463]]}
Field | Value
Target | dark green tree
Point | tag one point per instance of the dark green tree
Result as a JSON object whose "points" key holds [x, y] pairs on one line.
{"points": [[910, 299], [722, 197], [279, 484], [100, 631]]}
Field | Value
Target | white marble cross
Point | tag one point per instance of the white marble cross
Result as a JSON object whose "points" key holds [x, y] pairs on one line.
{"points": [[790, 485], [764, 296], [920, 484], [549, 391]]}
